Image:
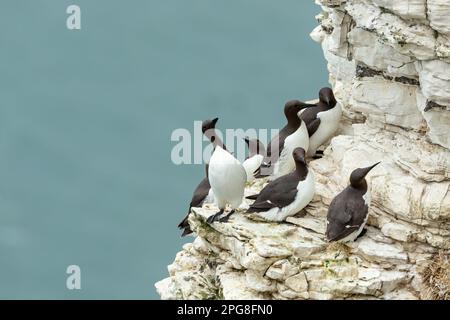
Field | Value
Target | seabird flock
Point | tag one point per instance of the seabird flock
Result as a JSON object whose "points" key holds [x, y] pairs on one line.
{"points": [[291, 184]]}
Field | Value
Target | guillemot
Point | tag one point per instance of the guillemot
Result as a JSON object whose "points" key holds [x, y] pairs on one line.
{"points": [[348, 211], [293, 135], [209, 130], [288, 194], [256, 156], [226, 174], [202, 194], [322, 120]]}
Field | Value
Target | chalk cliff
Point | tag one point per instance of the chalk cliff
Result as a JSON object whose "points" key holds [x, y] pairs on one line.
{"points": [[389, 65]]}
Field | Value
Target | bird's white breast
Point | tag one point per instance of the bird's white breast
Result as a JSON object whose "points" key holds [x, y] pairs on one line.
{"points": [[210, 197], [251, 165], [329, 123], [286, 163], [227, 178], [306, 190], [367, 198]]}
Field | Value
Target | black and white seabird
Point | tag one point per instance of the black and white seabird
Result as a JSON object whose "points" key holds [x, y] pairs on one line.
{"points": [[322, 120], [348, 212], [209, 130], [293, 135], [288, 194], [226, 174], [256, 156], [202, 194]]}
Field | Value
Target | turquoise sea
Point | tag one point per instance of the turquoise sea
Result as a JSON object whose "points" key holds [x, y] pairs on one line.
{"points": [[86, 118]]}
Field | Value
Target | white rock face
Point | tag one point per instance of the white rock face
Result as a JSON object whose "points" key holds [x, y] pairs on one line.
{"points": [[389, 65], [407, 9], [435, 80], [438, 14]]}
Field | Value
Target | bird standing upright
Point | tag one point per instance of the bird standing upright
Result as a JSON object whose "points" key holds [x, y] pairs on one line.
{"points": [[256, 156], [349, 210], [202, 194], [322, 121], [226, 174], [293, 135]]}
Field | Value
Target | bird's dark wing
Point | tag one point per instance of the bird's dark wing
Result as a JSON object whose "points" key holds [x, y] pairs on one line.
{"points": [[313, 126], [358, 210], [310, 114], [277, 143], [278, 193], [199, 195], [346, 214], [257, 172], [265, 169], [184, 223]]}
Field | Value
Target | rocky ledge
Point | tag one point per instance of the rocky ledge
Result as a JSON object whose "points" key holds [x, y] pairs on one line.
{"points": [[248, 258], [389, 65]]}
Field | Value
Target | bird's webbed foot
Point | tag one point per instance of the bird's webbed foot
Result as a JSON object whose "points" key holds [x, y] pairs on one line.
{"points": [[214, 217], [227, 217]]}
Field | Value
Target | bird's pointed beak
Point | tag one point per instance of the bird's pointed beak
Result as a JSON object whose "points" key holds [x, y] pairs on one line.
{"points": [[367, 170], [214, 121], [305, 106], [374, 165]]}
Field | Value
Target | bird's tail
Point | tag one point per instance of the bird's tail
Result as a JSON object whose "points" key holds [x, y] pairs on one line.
{"points": [[262, 175], [252, 210], [184, 225], [186, 231], [265, 169]]}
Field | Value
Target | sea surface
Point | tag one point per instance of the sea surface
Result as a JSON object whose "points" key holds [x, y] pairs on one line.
{"points": [[86, 116]]}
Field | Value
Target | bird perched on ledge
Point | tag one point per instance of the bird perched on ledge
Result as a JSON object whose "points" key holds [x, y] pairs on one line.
{"points": [[286, 195], [226, 174], [349, 210], [256, 156], [202, 194], [322, 120], [293, 135]]}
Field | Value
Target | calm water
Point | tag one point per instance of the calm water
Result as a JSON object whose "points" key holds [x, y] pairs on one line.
{"points": [[86, 118]]}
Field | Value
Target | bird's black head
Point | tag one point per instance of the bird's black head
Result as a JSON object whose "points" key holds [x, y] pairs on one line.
{"points": [[209, 124], [301, 168], [292, 108], [326, 96], [209, 130], [357, 177], [299, 155]]}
